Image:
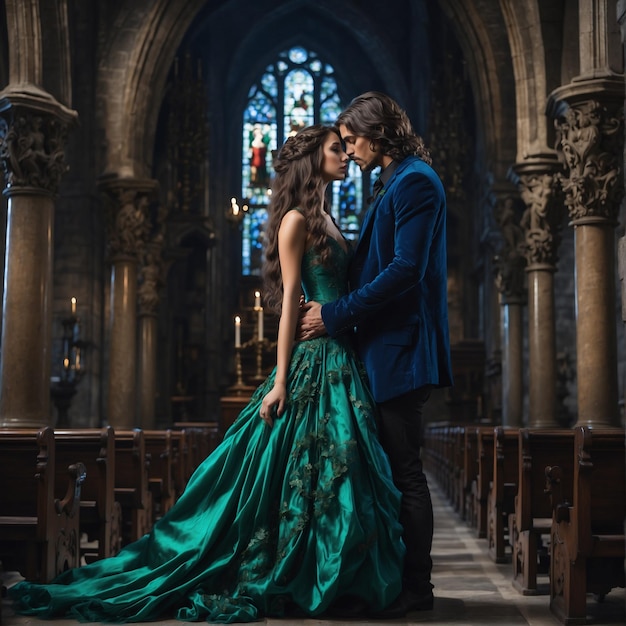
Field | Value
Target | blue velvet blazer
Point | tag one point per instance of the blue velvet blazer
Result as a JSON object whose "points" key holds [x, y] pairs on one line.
{"points": [[398, 277]]}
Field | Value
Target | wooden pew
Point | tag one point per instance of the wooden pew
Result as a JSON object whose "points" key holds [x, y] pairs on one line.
{"points": [[444, 466], [204, 438], [484, 477], [469, 473], [131, 484], [181, 460], [39, 534], [161, 470], [587, 546], [438, 446], [502, 492], [532, 520], [100, 514], [457, 440]]}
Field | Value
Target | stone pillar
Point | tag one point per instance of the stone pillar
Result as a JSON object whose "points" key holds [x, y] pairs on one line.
{"points": [[622, 275], [150, 282], [538, 183], [621, 19], [33, 132], [589, 121], [128, 224], [509, 268]]}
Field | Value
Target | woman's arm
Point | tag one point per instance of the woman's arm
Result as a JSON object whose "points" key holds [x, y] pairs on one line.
{"points": [[292, 238]]}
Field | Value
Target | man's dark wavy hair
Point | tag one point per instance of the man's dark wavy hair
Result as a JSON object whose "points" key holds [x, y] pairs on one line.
{"points": [[381, 119]]}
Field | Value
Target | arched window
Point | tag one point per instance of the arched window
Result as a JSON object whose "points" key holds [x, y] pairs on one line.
{"points": [[297, 90]]}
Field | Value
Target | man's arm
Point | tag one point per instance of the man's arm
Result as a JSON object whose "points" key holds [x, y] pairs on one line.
{"points": [[311, 324]]}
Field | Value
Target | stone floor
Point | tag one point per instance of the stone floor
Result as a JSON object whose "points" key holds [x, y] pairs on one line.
{"points": [[470, 590]]}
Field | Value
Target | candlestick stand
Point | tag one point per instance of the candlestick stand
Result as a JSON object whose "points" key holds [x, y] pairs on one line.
{"points": [[239, 388], [63, 388], [258, 375]]}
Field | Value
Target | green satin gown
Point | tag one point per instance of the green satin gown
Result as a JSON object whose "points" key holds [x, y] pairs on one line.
{"points": [[291, 517]]}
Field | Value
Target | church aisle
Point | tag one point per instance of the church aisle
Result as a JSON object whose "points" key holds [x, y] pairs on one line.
{"points": [[470, 590]]}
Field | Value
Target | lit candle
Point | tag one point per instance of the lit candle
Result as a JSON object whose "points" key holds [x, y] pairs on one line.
{"points": [[257, 300], [260, 324], [73, 301], [237, 331], [234, 207]]}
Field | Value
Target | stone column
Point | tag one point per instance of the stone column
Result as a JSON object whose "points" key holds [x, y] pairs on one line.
{"points": [[33, 132], [621, 18], [622, 276], [509, 268], [128, 224], [537, 180], [589, 120], [150, 282]]}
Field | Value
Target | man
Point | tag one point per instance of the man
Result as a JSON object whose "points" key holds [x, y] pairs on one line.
{"points": [[398, 306]]}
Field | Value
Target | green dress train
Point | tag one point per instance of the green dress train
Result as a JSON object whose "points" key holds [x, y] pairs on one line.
{"points": [[289, 517]]}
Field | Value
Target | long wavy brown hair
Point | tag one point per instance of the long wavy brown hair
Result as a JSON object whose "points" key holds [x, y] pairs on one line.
{"points": [[298, 184], [381, 119]]}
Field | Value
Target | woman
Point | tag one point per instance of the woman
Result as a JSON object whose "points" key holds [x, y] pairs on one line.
{"points": [[293, 511]]}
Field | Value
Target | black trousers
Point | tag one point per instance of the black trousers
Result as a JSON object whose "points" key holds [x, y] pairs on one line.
{"points": [[400, 432]]}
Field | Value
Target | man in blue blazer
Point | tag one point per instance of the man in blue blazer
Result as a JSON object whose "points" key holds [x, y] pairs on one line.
{"points": [[398, 309]]}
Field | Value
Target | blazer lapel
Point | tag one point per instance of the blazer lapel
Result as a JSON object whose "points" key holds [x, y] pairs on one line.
{"points": [[366, 227], [368, 221]]}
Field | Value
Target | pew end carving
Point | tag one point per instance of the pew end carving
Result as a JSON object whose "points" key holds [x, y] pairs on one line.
{"points": [[39, 533], [100, 514], [539, 450], [131, 484], [587, 534], [502, 493]]}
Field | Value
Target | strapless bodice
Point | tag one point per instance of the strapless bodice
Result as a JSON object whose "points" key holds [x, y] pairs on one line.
{"points": [[325, 283]]}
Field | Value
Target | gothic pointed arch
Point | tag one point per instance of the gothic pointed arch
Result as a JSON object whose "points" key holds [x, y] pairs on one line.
{"points": [[482, 35], [536, 33], [130, 85]]}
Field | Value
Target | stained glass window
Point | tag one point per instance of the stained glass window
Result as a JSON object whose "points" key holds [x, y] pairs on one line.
{"points": [[297, 90]]}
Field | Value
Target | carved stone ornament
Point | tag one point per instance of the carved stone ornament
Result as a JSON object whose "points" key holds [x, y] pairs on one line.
{"points": [[32, 149], [543, 218], [591, 139], [150, 276], [127, 219], [509, 262]]}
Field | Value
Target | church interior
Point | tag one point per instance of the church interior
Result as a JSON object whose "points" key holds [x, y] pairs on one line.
{"points": [[136, 141]]}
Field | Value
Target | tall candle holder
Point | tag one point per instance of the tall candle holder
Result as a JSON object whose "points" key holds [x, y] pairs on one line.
{"points": [[63, 388], [240, 387], [259, 345], [239, 384]]}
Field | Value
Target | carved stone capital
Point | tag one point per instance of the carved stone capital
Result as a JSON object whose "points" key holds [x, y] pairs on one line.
{"points": [[539, 184], [589, 119], [33, 133], [128, 223], [509, 262], [151, 275]]}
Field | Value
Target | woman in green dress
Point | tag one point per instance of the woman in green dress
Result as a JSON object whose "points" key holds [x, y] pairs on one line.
{"points": [[295, 511]]}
